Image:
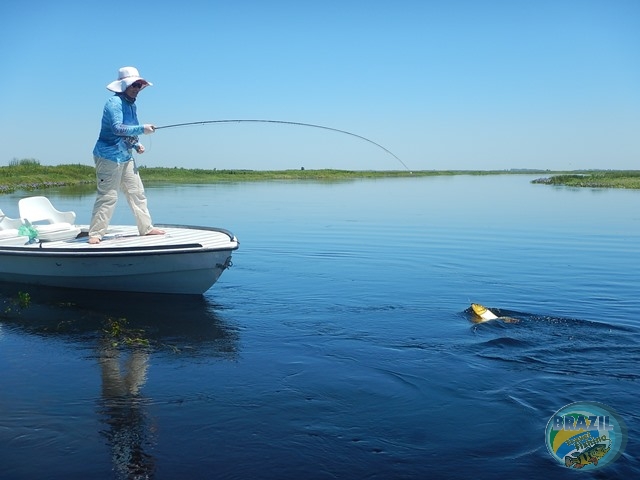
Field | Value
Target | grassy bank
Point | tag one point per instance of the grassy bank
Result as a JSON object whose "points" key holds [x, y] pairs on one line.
{"points": [[597, 179], [28, 174]]}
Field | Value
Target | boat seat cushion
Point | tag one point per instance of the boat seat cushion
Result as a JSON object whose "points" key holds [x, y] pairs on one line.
{"points": [[8, 233], [10, 236], [56, 231], [14, 241]]}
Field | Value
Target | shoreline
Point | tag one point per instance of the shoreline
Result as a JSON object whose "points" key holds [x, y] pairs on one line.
{"points": [[29, 175]]}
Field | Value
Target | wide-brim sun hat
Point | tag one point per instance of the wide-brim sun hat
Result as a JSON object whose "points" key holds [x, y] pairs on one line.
{"points": [[126, 77]]}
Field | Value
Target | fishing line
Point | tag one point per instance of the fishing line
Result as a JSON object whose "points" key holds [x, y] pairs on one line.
{"points": [[288, 123]]}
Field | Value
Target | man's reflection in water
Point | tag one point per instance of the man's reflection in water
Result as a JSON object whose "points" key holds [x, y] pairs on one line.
{"points": [[123, 409]]}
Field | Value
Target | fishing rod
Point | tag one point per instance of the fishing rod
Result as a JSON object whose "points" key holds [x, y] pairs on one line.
{"points": [[287, 123]]}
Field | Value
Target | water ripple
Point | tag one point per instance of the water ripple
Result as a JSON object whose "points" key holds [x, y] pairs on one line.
{"points": [[566, 346]]}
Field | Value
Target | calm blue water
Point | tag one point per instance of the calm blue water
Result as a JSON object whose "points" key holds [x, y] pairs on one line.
{"points": [[339, 344]]}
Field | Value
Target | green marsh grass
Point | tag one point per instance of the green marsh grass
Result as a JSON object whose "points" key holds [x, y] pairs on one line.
{"points": [[27, 174], [597, 179]]}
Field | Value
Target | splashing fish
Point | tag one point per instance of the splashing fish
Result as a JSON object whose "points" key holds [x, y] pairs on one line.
{"points": [[483, 314], [590, 455]]}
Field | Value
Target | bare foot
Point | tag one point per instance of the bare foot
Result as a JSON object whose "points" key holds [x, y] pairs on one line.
{"points": [[94, 240], [156, 231]]}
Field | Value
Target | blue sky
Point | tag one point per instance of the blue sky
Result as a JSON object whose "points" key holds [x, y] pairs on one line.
{"points": [[447, 84]]}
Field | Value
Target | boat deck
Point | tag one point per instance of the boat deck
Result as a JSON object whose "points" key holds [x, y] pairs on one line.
{"points": [[126, 237]]}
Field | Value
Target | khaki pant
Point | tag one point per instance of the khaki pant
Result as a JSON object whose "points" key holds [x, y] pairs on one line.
{"points": [[111, 177]]}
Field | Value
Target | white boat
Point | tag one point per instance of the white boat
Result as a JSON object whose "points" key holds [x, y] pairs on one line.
{"points": [[185, 260]]}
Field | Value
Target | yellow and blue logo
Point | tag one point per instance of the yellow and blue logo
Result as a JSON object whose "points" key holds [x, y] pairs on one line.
{"points": [[586, 435]]}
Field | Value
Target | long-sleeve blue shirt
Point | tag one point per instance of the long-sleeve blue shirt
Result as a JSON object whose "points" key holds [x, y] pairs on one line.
{"points": [[119, 130]]}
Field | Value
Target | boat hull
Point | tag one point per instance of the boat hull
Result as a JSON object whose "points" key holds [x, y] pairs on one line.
{"points": [[188, 261]]}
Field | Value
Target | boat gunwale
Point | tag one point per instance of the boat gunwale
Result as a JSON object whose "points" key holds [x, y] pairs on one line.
{"points": [[112, 251]]}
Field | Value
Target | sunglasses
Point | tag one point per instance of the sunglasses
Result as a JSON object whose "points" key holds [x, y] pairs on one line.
{"points": [[137, 85]]}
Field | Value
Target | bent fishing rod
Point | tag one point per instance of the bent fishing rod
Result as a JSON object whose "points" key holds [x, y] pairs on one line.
{"points": [[287, 123]]}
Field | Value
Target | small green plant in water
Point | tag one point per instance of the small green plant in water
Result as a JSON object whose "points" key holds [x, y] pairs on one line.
{"points": [[22, 301], [118, 332]]}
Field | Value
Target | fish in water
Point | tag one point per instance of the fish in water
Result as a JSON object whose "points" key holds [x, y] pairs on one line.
{"points": [[483, 314], [590, 455]]}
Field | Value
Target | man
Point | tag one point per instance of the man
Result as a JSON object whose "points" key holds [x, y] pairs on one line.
{"points": [[113, 156]]}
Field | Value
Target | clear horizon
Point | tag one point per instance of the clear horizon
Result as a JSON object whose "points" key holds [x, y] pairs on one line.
{"points": [[458, 85]]}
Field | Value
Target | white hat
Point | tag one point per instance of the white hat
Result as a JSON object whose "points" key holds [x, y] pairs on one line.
{"points": [[126, 77]]}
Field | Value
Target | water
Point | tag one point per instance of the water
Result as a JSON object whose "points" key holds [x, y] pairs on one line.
{"points": [[339, 345]]}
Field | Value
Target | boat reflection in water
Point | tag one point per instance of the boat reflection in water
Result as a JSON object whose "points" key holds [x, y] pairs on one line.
{"points": [[125, 332]]}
